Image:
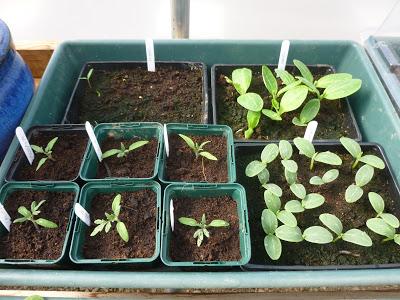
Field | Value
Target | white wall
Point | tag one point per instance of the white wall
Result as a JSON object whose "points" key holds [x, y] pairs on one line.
{"points": [[35, 20]]}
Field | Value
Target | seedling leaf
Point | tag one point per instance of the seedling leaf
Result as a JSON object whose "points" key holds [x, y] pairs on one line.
{"points": [[188, 141], [353, 193], [309, 111], [330, 176], [328, 158], [290, 177], [46, 223], [285, 149], [272, 201], [377, 202], [304, 71], [316, 180], [218, 223], [254, 168], [241, 79], [293, 99], [50, 145], [327, 80], [137, 144], [122, 231], [342, 89], [273, 188], [380, 227], [373, 161], [290, 165], [269, 221], [304, 146], [351, 146], [299, 190], [289, 234], [251, 101], [269, 80], [273, 246], [269, 153], [357, 237], [317, 235], [364, 175], [332, 222], [41, 162], [294, 206], [208, 155], [188, 221], [287, 218], [263, 176], [313, 200], [285, 76], [272, 115], [391, 220]]}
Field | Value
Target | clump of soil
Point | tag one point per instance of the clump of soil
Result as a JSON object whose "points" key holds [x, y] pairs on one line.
{"points": [[126, 93], [334, 120], [26, 242], [352, 215], [139, 214], [223, 244], [68, 153], [138, 163], [182, 165]]}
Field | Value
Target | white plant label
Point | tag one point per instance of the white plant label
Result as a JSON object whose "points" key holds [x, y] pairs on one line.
{"points": [[82, 214], [310, 130], [5, 218], [283, 55], [151, 64], [171, 214], [93, 139], [166, 142], [26, 147]]}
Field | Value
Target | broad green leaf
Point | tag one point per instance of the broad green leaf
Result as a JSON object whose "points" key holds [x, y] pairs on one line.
{"points": [[290, 165], [373, 161], [218, 223], [289, 234], [313, 200], [269, 153], [357, 237], [316, 180], [287, 218], [41, 162], [137, 144], [285, 149], [289, 87], [241, 79], [269, 80], [310, 111], [273, 246], [391, 220], [377, 202], [22, 210], [304, 146], [380, 227], [188, 221], [304, 71], [251, 101], [285, 76], [97, 229], [308, 84], [50, 145], [273, 202], [122, 231], [353, 193], [290, 177], [351, 146], [188, 141], [116, 204], [397, 239], [254, 168], [253, 118], [332, 222], [296, 121], [273, 188], [263, 176], [364, 175], [37, 149], [294, 206], [293, 99], [341, 89], [329, 158], [317, 235], [299, 190], [272, 115], [269, 221], [327, 80], [330, 175], [46, 223], [208, 155]]}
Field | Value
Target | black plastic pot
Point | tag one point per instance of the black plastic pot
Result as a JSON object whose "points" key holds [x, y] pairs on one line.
{"points": [[71, 112], [20, 156], [242, 149], [217, 69]]}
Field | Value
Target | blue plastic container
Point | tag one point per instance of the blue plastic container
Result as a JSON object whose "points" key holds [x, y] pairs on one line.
{"points": [[16, 88]]}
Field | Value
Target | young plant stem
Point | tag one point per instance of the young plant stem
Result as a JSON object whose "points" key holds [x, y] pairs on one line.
{"points": [[386, 240], [107, 169], [203, 169], [355, 163]]}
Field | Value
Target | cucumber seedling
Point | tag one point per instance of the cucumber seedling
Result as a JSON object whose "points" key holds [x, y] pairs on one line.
{"points": [[30, 216], [379, 206], [328, 177], [123, 151], [47, 151], [308, 201], [355, 150], [363, 176], [259, 168]]}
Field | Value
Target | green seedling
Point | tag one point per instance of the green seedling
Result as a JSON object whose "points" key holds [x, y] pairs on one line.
{"points": [[381, 227], [259, 168], [124, 151], [87, 77], [202, 231], [308, 201], [355, 150], [273, 203], [290, 166], [328, 177], [306, 148], [47, 151], [363, 176], [198, 150], [379, 206], [355, 236], [106, 223], [29, 215]]}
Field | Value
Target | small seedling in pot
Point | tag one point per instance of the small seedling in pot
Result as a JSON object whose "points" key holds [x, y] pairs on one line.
{"points": [[381, 227], [30, 215], [355, 150], [308, 201], [328, 177], [106, 223], [47, 151], [379, 206], [256, 167], [290, 166], [202, 231], [306, 148], [124, 151], [363, 176], [87, 77], [198, 150], [355, 236], [273, 203]]}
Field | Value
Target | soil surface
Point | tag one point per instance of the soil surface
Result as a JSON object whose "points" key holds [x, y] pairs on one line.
{"points": [[138, 163], [182, 165], [68, 153], [174, 93], [224, 242], [352, 215], [138, 212], [333, 118], [26, 242]]}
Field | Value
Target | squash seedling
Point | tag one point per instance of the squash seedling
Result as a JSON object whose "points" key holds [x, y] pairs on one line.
{"points": [[106, 223], [29, 215], [363, 176], [259, 168], [308, 201], [306, 148], [273, 203], [328, 177], [379, 206], [124, 151], [87, 77], [355, 150], [202, 232], [47, 151]]}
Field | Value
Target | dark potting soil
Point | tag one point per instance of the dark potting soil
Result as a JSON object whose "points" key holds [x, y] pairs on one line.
{"points": [[182, 165], [352, 215], [139, 163], [138, 212], [25, 241], [223, 244], [334, 120], [68, 153], [171, 94]]}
